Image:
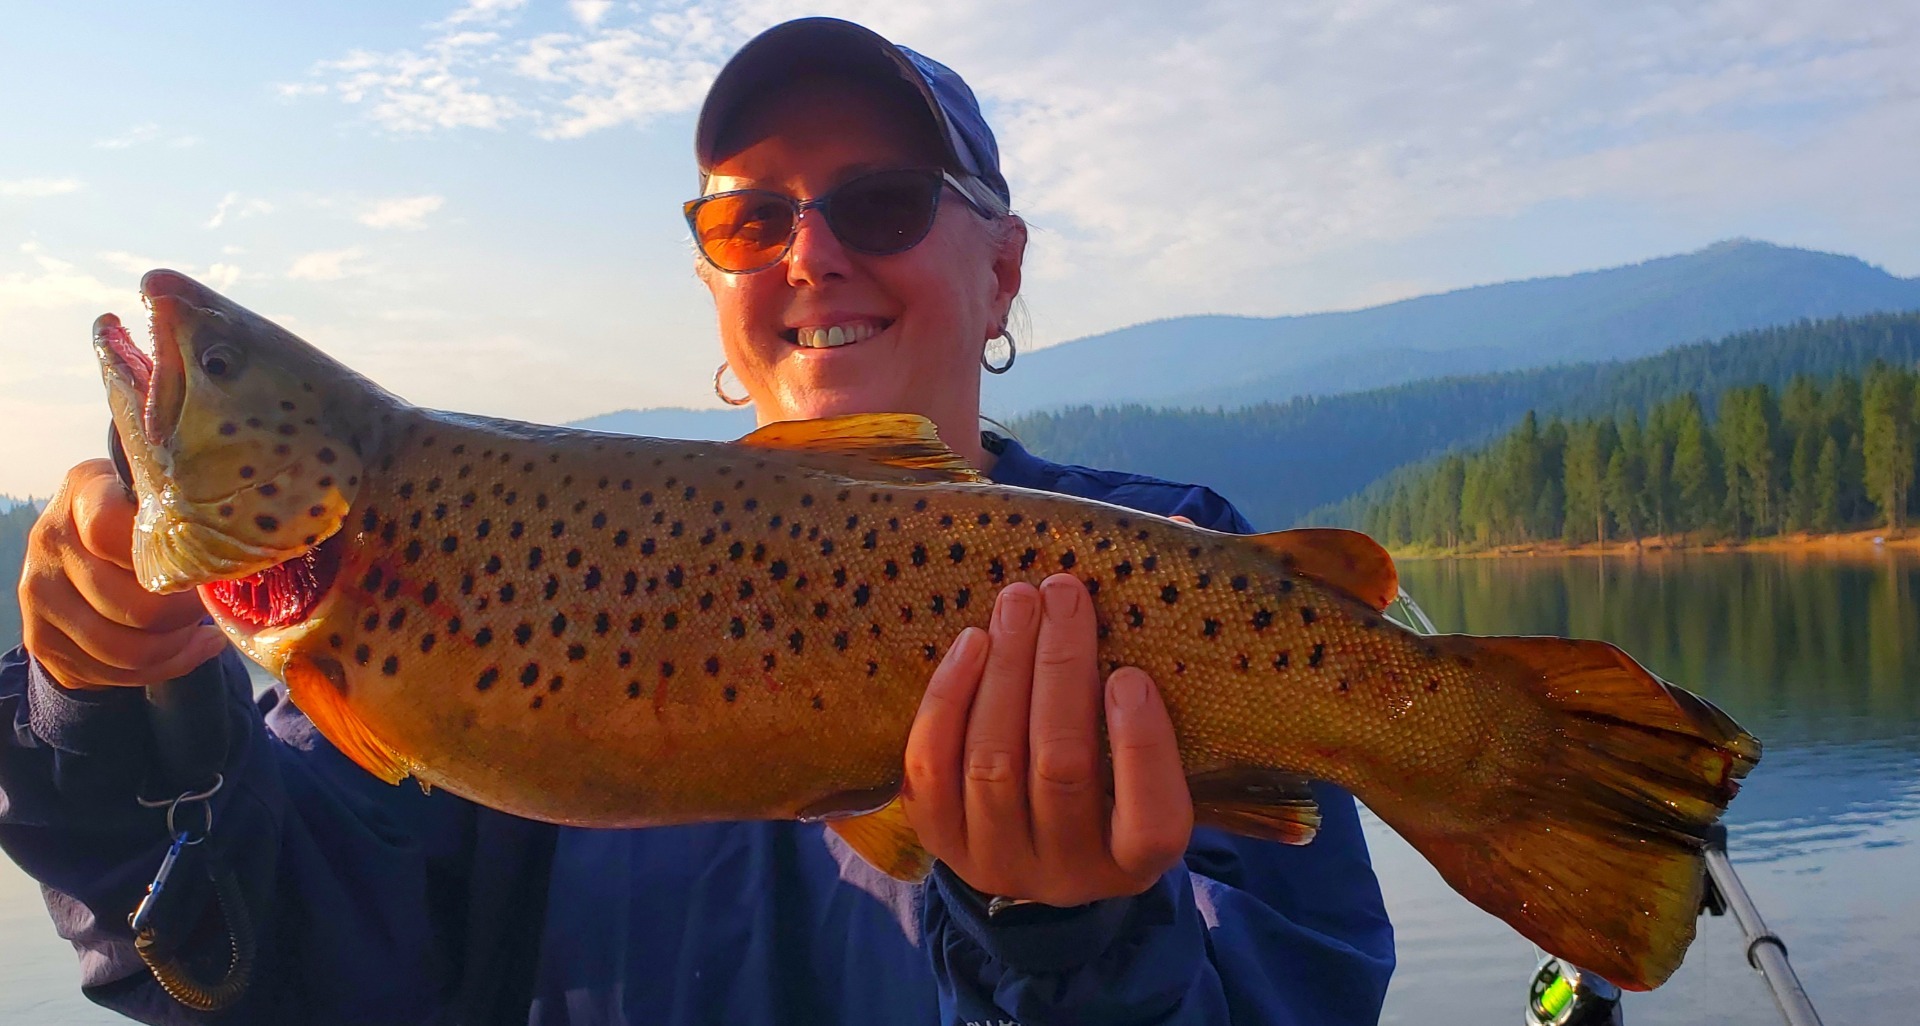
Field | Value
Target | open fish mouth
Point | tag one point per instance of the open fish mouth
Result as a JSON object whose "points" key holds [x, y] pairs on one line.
{"points": [[178, 541]]}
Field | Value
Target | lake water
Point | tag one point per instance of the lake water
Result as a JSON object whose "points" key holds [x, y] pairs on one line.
{"points": [[1819, 658]]}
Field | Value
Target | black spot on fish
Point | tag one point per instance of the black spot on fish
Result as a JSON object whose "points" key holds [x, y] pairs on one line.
{"points": [[523, 634], [391, 666], [766, 621], [449, 544], [746, 590], [1067, 560], [796, 641], [938, 605], [633, 689], [931, 653], [361, 654], [961, 598], [507, 592], [1135, 617], [777, 569], [767, 662], [996, 570], [414, 551], [1169, 594], [515, 530], [1239, 582], [535, 556], [636, 623], [268, 490], [430, 594], [890, 569], [1262, 619], [872, 667], [453, 625], [1150, 564], [529, 675], [1306, 614], [1204, 580], [1210, 627], [820, 610], [372, 622], [669, 620], [666, 669], [918, 556], [592, 579], [492, 565], [646, 547], [676, 576], [399, 617], [484, 637], [576, 652], [600, 520], [392, 589], [1027, 558], [487, 677], [551, 588], [558, 528], [1319, 654], [371, 582], [266, 523], [1014, 519], [1280, 661]]}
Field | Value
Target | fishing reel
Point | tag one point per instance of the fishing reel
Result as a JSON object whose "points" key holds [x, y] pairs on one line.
{"points": [[1563, 994]]}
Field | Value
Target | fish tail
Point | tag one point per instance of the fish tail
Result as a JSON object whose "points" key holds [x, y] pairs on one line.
{"points": [[1594, 852]]}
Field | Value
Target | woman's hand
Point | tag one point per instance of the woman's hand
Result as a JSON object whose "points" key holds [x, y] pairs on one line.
{"points": [[83, 614], [1005, 769]]}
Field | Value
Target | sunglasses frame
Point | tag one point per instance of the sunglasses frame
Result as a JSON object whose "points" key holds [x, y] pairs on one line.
{"points": [[823, 203]]}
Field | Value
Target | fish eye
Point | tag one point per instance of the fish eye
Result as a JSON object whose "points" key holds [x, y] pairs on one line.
{"points": [[220, 360]]}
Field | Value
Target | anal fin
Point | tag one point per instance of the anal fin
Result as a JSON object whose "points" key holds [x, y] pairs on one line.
{"points": [[318, 688], [1263, 803], [887, 841]]}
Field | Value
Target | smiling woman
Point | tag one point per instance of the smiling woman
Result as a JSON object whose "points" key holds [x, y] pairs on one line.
{"points": [[857, 240]]}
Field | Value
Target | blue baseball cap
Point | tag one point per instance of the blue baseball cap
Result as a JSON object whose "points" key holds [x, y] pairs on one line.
{"points": [[807, 45]]}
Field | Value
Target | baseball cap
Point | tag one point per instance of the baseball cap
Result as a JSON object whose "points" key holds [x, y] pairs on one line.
{"points": [[807, 45]]}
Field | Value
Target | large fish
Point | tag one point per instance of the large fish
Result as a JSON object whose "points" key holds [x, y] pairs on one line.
{"points": [[618, 631]]}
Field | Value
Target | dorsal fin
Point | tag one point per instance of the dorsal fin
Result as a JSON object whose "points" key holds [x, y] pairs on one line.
{"points": [[904, 440], [1347, 560]]}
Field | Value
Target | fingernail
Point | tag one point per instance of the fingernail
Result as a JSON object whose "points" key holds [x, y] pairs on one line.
{"points": [[961, 651], [1062, 595], [1127, 690], [1015, 609]]}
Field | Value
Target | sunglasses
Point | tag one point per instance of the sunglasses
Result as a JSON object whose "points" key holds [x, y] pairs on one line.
{"points": [[877, 214]]}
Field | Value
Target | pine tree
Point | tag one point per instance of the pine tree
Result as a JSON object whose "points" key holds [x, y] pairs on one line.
{"points": [[1694, 480], [1585, 481], [1803, 478], [1826, 488], [1625, 478], [1887, 442]]}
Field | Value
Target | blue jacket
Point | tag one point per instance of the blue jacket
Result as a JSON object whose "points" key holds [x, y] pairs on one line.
{"points": [[382, 904]]}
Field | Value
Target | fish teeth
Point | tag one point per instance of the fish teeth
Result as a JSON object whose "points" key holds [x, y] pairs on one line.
{"points": [[834, 336]]}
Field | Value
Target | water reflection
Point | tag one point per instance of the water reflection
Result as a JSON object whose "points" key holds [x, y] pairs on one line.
{"points": [[1818, 657]]}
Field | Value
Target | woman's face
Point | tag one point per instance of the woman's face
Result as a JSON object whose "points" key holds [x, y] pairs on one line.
{"points": [[919, 319]]}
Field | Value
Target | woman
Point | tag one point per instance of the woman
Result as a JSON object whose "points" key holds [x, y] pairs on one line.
{"points": [[854, 231]]}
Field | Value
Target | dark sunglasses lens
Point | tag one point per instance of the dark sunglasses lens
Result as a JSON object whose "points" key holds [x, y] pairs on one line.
{"points": [[886, 212], [744, 231]]}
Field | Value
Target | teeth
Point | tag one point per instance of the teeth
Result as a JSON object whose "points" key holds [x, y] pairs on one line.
{"points": [[833, 337]]}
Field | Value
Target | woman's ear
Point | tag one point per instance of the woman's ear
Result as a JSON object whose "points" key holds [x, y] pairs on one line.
{"points": [[1009, 253]]}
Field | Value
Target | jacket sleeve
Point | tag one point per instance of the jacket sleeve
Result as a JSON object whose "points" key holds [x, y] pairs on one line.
{"points": [[1244, 932], [362, 893]]}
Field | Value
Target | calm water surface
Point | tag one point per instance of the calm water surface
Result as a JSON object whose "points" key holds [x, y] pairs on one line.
{"points": [[1821, 659]]}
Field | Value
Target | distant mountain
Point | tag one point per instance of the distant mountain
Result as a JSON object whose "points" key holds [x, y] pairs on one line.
{"points": [[1279, 460], [673, 422], [1616, 313]]}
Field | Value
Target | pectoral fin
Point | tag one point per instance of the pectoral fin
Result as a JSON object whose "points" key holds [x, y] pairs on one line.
{"points": [[1347, 560], [902, 440], [318, 687]]}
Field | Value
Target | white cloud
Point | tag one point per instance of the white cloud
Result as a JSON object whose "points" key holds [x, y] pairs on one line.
{"points": [[328, 265], [37, 188], [129, 263], [589, 12], [234, 205], [131, 137], [140, 135], [1193, 154], [406, 212], [54, 283], [484, 10]]}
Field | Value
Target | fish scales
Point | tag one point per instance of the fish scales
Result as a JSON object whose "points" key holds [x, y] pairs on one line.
{"points": [[645, 591], [618, 631]]}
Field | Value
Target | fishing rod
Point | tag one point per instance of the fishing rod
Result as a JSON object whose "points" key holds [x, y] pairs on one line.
{"points": [[1563, 994], [188, 719]]}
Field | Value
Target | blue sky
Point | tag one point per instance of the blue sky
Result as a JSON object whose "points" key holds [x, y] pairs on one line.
{"points": [[478, 205]]}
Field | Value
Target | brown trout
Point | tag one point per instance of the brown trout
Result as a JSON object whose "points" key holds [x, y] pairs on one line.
{"points": [[618, 631]]}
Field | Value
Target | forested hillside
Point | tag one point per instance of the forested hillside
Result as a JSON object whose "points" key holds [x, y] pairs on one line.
{"points": [[1816, 456], [14, 522], [1279, 460], [1610, 314]]}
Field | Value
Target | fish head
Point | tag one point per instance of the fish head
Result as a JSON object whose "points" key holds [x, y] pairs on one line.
{"points": [[246, 447]]}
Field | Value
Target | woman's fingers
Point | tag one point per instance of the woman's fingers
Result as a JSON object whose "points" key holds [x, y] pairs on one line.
{"points": [[933, 787], [1152, 808], [999, 832], [1066, 791]]}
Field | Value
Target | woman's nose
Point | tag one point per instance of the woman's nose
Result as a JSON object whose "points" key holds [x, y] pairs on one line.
{"points": [[817, 254]]}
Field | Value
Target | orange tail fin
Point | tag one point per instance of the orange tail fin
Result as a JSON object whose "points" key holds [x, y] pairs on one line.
{"points": [[1599, 861]]}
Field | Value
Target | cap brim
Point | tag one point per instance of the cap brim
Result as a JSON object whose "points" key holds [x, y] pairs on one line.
{"points": [[804, 46]]}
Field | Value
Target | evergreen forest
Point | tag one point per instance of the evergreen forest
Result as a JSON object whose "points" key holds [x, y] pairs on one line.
{"points": [[1748, 462], [15, 521], [1277, 461]]}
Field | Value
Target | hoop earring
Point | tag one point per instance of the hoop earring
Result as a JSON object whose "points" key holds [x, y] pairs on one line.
{"points": [[1013, 352], [724, 397]]}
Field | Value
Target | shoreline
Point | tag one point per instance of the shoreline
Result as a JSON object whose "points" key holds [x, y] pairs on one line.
{"points": [[1840, 545]]}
